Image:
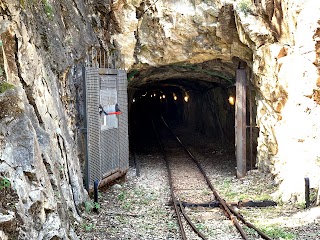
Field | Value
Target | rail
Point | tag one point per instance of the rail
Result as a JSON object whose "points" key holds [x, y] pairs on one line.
{"points": [[232, 214]]}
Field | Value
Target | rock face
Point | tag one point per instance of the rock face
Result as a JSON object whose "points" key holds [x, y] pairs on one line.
{"points": [[279, 41], [45, 44], [286, 69]]}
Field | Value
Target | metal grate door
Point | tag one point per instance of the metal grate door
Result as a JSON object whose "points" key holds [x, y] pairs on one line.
{"points": [[107, 134]]}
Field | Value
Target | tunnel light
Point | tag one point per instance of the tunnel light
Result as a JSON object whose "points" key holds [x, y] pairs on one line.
{"points": [[186, 98], [175, 97], [231, 100], [154, 95], [133, 100], [163, 96], [160, 97], [151, 95]]}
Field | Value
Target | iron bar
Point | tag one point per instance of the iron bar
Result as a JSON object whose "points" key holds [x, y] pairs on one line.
{"points": [[100, 60], [190, 222], [183, 234], [215, 193], [233, 215], [250, 225], [307, 191], [85, 123], [95, 193]]}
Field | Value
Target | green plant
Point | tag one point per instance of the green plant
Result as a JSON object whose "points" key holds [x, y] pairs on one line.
{"points": [[48, 9], [90, 205], [4, 183], [88, 227], [122, 196], [200, 226], [5, 86], [245, 6], [276, 232]]}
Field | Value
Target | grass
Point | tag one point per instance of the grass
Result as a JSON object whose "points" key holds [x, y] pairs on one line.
{"points": [[245, 6], [4, 183], [48, 9], [277, 232], [88, 227], [5, 86], [90, 205]]}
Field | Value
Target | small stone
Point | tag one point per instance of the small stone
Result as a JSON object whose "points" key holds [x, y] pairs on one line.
{"points": [[116, 187]]}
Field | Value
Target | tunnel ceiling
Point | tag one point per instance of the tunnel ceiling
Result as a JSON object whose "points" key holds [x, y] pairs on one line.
{"points": [[196, 76]]}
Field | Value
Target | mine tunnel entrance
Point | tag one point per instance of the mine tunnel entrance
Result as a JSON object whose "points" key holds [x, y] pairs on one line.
{"points": [[191, 105]]}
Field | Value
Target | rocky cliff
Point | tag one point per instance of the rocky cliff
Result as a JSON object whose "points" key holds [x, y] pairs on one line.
{"points": [[44, 46], [278, 40]]}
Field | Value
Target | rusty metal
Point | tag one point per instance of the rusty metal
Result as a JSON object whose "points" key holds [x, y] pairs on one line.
{"points": [[240, 122], [250, 225], [183, 234], [233, 215], [190, 222], [215, 193], [307, 191]]}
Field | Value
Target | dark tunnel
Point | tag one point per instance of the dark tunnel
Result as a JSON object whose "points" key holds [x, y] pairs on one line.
{"points": [[202, 103]]}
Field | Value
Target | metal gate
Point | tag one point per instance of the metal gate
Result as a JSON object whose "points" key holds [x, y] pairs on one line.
{"points": [[106, 124]]}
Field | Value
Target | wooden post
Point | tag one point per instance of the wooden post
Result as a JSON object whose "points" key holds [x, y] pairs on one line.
{"points": [[250, 128], [240, 122]]}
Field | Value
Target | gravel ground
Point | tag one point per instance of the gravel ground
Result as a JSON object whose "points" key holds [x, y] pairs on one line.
{"points": [[140, 207]]}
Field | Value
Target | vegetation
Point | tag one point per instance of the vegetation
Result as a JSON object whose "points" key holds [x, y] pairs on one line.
{"points": [[88, 227], [48, 9], [5, 86], [245, 6], [90, 205], [276, 232], [4, 183]]}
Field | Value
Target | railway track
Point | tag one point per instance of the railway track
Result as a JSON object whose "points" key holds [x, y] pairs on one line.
{"points": [[189, 183]]}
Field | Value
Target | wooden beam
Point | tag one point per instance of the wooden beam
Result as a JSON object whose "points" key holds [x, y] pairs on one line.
{"points": [[240, 122]]}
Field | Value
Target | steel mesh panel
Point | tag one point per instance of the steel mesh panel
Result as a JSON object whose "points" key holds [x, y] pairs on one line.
{"points": [[93, 123], [123, 120], [109, 137], [108, 148], [109, 151]]}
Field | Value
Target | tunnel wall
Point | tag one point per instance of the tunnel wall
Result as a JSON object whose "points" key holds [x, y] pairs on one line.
{"points": [[210, 113]]}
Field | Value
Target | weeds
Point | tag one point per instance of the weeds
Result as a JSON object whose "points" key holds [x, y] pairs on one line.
{"points": [[48, 9], [4, 183], [276, 232], [5, 86], [88, 227], [89, 206], [245, 6]]}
